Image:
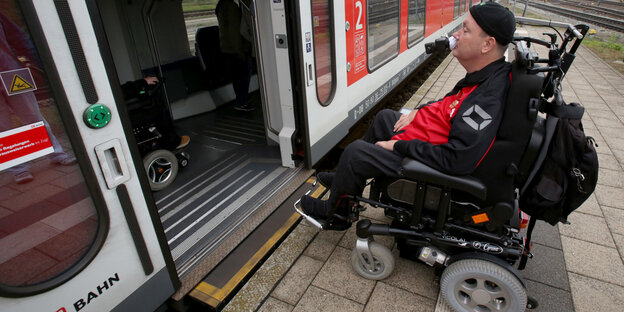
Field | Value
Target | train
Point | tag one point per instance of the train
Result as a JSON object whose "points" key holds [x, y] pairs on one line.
{"points": [[82, 227]]}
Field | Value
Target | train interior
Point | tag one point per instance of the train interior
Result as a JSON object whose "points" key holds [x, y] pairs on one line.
{"points": [[235, 169]]}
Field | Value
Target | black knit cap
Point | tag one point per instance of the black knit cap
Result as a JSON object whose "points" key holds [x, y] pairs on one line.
{"points": [[496, 20]]}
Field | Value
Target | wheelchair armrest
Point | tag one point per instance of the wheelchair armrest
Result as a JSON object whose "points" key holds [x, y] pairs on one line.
{"points": [[415, 170]]}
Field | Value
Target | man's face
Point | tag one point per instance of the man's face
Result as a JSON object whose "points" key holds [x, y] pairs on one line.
{"points": [[470, 40]]}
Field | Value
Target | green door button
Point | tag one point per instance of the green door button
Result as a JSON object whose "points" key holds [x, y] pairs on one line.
{"points": [[97, 116]]}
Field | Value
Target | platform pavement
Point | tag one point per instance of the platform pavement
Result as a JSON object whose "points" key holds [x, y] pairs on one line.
{"points": [[577, 267]]}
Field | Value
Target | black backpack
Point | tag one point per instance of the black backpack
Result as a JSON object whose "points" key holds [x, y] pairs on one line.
{"points": [[568, 174]]}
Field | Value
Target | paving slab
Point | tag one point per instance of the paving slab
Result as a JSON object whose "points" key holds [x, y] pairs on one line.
{"points": [[588, 228], [619, 242], [591, 295], [608, 161], [389, 298], [615, 143], [274, 305], [610, 196], [606, 122], [415, 277], [619, 155], [547, 267], [551, 299], [593, 260], [320, 249], [611, 177], [615, 219], [264, 280], [546, 234], [299, 277], [316, 299], [591, 206], [338, 277], [617, 132]]}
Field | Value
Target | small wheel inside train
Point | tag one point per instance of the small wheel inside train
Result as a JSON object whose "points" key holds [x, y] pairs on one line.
{"points": [[161, 167], [183, 159]]}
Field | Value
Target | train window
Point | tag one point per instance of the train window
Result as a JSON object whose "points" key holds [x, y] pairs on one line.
{"points": [[383, 31], [50, 227], [456, 9], [323, 54], [198, 14], [415, 21]]}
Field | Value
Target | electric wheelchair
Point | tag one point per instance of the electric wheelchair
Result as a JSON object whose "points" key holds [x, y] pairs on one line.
{"points": [[147, 112], [471, 226]]}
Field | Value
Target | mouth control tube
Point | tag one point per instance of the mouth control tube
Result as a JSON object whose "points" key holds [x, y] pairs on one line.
{"points": [[441, 44]]}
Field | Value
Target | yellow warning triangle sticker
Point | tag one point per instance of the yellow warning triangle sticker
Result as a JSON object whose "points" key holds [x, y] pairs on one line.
{"points": [[19, 84]]}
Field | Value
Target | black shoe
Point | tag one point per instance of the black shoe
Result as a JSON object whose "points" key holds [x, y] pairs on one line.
{"points": [[314, 207], [244, 108], [325, 178]]}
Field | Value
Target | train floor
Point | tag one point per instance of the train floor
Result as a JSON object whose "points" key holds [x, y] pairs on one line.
{"points": [[227, 189]]}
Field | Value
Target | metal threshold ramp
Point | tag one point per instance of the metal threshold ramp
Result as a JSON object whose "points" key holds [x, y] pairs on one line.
{"points": [[233, 182]]}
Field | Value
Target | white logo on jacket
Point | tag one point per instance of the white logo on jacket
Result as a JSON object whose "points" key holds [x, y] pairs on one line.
{"points": [[487, 119]]}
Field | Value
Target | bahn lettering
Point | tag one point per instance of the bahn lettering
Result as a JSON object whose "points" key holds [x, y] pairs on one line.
{"points": [[99, 290]]}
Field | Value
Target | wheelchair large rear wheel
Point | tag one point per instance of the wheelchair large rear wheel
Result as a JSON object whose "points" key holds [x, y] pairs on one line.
{"points": [[377, 268], [161, 167], [479, 285]]}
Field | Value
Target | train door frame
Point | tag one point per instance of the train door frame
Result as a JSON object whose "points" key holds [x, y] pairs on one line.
{"points": [[273, 46]]}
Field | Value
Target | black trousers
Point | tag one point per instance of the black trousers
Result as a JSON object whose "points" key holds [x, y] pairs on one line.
{"points": [[362, 159], [241, 76]]}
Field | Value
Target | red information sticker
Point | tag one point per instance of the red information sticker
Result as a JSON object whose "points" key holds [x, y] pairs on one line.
{"points": [[23, 144], [355, 15]]}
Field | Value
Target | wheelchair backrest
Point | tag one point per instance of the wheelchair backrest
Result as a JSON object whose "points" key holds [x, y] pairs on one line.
{"points": [[503, 168]]}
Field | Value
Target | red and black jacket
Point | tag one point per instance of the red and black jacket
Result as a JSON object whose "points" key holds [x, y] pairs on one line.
{"points": [[454, 134]]}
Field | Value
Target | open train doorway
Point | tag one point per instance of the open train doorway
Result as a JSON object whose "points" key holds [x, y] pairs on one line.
{"points": [[238, 161]]}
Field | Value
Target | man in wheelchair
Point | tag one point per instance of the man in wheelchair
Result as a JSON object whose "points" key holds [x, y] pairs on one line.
{"points": [[454, 175], [452, 135]]}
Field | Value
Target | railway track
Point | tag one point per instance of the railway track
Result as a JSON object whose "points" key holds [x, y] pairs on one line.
{"points": [[598, 20], [592, 7], [198, 13]]}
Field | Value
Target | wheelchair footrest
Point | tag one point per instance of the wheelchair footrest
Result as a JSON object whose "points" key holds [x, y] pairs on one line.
{"points": [[337, 223]]}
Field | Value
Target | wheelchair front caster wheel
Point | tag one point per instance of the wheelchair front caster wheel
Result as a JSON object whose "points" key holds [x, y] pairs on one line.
{"points": [[379, 267], [183, 159], [161, 167], [479, 285]]}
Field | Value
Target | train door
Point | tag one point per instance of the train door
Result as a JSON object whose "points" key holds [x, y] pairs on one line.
{"points": [[241, 160], [76, 230]]}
